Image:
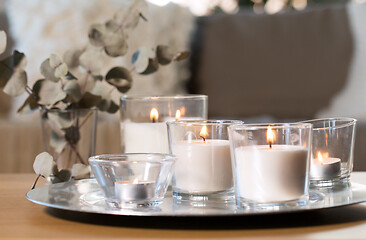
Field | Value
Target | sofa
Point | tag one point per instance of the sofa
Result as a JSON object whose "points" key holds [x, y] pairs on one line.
{"points": [[290, 66]]}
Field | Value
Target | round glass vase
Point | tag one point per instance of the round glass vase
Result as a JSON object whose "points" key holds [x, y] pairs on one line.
{"points": [[69, 135], [143, 119], [331, 151]]}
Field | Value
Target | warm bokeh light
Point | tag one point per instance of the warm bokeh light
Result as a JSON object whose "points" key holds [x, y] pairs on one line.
{"points": [[154, 115], [135, 181], [321, 157]]}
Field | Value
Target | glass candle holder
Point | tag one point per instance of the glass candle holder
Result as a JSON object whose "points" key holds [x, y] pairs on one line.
{"points": [[332, 151], [133, 180], [270, 164], [203, 169], [143, 120]]}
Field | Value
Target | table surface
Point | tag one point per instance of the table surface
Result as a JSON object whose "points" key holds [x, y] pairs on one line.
{"points": [[20, 218]]}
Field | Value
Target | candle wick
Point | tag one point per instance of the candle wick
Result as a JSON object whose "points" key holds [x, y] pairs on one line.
{"points": [[204, 139], [270, 144], [153, 120]]}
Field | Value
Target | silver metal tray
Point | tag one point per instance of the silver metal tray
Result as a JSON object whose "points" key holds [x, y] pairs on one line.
{"points": [[86, 196]]}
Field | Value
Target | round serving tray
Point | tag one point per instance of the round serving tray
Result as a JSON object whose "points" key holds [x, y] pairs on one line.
{"points": [[86, 196]]}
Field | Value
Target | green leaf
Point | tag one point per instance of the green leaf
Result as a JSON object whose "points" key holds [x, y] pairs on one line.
{"points": [[89, 100], [16, 84], [72, 88], [50, 93], [164, 55], [120, 78], [2, 42], [43, 164], [181, 56]]}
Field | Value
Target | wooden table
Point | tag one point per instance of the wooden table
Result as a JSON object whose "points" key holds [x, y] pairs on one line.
{"points": [[20, 218]]}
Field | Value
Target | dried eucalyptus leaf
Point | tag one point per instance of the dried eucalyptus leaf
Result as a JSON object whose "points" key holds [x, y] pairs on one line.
{"points": [[50, 93], [181, 56], [30, 102], [130, 16], [61, 121], [48, 72], [57, 143], [2, 41], [112, 26], [72, 88], [15, 62], [71, 57], [62, 176], [59, 67], [164, 55], [120, 78], [113, 107], [152, 67], [140, 60], [89, 100], [43, 164], [80, 171], [96, 33], [89, 60], [115, 45], [72, 135], [16, 84]]}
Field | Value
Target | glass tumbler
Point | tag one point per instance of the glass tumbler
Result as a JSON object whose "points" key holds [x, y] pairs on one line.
{"points": [[143, 119], [271, 164], [332, 151], [203, 168]]}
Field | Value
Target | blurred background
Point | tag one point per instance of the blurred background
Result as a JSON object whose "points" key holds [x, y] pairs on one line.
{"points": [[257, 60]]}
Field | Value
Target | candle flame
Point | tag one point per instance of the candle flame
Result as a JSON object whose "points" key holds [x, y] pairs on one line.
{"points": [[321, 157], [204, 133], [154, 115], [270, 136], [177, 115], [135, 181]]}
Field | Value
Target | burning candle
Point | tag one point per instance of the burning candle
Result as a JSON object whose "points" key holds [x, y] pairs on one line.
{"points": [[146, 137], [135, 190], [203, 165], [324, 167], [271, 173]]}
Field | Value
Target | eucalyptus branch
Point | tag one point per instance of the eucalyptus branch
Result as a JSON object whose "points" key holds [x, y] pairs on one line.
{"points": [[35, 182]]}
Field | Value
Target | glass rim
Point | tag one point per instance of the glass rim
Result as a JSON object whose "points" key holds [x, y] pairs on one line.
{"points": [[348, 122], [205, 122], [69, 110], [122, 158], [258, 126], [162, 97]]}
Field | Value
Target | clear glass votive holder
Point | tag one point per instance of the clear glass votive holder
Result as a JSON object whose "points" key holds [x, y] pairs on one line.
{"points": [[143, 119], [203, 168], [271, 164], [133, 180], [331, 151]]}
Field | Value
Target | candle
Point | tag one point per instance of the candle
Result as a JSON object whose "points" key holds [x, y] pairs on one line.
{"points": [[271, 174], [134, 190], [203, 165], [324, 167]]}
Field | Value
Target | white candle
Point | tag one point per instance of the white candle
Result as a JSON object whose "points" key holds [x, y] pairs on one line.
{"points": [[145, 137], [273, 174], [203, 166], [134, 190], [325, 167]]}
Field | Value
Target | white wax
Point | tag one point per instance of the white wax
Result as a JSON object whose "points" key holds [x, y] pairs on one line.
{"points": [[328, 168], [274, 174], [203, 167], [129, 191], [145, 137]]}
